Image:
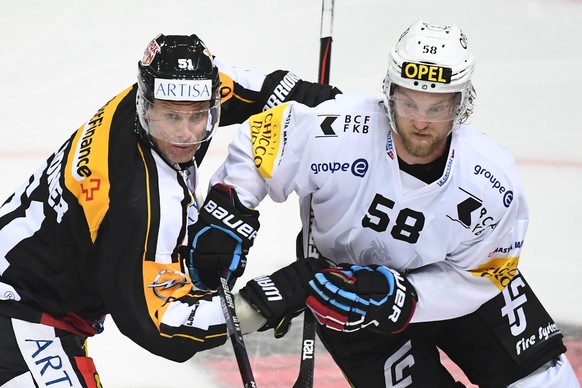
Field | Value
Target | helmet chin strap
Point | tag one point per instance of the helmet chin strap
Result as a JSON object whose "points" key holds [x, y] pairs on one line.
{"points": [[201, 151], [186, 165]]}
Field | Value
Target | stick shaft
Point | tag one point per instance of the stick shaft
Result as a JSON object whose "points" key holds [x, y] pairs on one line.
{"points": [[235, 334], [325, 40], [307, 364]]}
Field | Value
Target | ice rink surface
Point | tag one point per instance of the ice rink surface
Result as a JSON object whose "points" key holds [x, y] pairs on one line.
{"points": [[62, 60]]}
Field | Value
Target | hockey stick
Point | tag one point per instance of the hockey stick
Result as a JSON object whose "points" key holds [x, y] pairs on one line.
{"points": [[235, 333], [325, 40], [307, 363]]}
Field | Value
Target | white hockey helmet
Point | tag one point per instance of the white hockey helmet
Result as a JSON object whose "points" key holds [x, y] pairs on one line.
{"points": [[432, 58]]}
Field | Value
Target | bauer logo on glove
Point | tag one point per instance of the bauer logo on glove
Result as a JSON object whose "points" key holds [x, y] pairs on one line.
{"points": [[229, 220]]}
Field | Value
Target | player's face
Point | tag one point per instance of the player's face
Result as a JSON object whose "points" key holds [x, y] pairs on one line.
{"points": [[424, 121], [178, 128]]}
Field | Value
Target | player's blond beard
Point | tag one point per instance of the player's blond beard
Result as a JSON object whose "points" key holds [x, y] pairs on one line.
{"points": [[423, 148]]}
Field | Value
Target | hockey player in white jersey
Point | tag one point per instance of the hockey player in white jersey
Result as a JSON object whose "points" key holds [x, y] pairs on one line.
{"points": [[427, 216]]}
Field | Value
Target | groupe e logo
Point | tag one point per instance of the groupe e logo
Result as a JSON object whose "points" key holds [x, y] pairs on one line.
{"points": [[495, 184], [358, 167]]}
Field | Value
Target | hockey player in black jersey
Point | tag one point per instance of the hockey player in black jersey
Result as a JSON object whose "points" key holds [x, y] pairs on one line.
{"points": [[105, 225]]}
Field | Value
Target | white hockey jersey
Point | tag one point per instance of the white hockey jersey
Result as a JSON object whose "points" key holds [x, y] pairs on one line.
{"points": [[458, 239]]}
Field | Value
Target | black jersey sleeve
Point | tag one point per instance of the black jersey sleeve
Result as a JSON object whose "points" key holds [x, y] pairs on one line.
{"points": [[245, 93], [280, 86]]}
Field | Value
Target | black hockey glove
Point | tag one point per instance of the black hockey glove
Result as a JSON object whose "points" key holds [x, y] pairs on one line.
{"points": [[354, 297], [223, 234], [281, 296], [285, 86], [313, 94]]}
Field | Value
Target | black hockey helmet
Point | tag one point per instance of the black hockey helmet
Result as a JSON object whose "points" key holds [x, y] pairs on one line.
{"points": [[180, 69]]}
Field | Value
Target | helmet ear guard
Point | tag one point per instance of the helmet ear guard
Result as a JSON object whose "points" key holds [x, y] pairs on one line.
{"points": [[432, 58]]}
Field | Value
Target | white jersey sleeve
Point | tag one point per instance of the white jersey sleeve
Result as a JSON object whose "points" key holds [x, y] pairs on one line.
{"points": [[265, 157], [458, 239]]}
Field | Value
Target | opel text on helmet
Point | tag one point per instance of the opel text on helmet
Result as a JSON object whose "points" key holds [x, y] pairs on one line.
{"points": [[178, 98], [431, 58]]}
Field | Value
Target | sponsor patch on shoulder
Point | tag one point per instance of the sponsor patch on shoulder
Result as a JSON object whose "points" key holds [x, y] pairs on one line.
{"points": [[266, 138]]}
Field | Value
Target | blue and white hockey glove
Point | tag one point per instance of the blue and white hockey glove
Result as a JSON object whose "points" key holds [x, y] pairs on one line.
{"points": [[353, 297], [223, 235]]}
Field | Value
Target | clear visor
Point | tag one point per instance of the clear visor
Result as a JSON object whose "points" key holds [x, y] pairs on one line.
{"points": [[438, 108], [181, 123]]}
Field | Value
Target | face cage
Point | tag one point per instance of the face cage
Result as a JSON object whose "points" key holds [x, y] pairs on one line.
{"points": [[213, 116], [460, 117]]}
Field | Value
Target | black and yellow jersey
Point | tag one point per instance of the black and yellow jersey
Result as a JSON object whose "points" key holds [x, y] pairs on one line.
{"points": [[100, 226]]}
